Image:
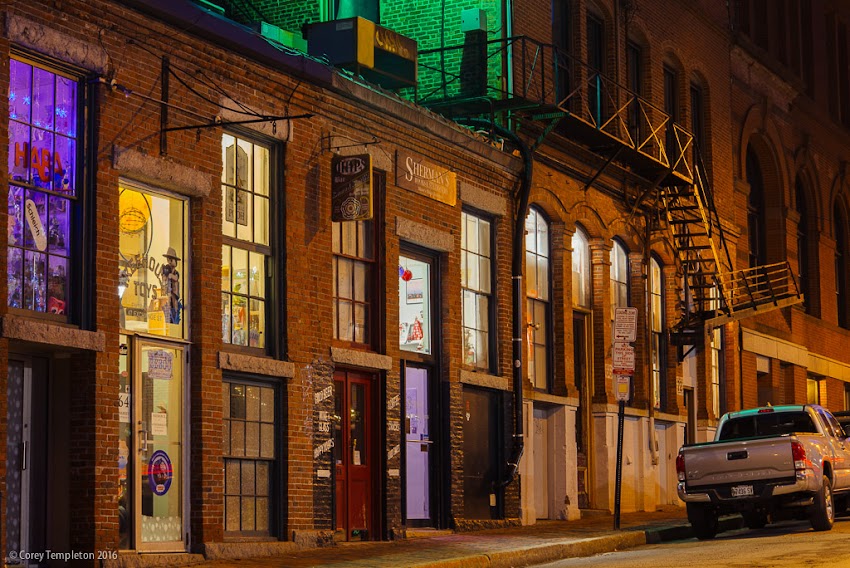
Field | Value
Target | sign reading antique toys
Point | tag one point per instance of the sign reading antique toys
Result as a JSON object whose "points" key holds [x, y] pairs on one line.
{"points": [[351, 188]]}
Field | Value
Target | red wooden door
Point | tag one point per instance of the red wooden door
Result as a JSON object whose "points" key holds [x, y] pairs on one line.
{"points": [[354, 452]]}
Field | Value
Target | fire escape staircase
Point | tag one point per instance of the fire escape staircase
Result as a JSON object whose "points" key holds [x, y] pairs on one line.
{"points": [[562, 94], [716, 294]]}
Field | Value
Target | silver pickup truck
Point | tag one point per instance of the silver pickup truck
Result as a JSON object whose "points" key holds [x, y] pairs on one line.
{"points": [[767, 463]]}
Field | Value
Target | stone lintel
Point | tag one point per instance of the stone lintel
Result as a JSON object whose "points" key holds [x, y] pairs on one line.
{"points": [[243, 363]]}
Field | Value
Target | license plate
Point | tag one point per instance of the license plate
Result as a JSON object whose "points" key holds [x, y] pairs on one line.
{"points": [[742, 490]]}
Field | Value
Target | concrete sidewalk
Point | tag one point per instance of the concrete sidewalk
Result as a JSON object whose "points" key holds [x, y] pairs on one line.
{"points": [[518, 546]]}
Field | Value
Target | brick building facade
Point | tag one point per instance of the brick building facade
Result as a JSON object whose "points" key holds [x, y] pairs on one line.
{"points": [[278, 369]]}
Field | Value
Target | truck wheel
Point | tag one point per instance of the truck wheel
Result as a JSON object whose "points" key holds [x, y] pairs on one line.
{"points": [[703, 521], [822, 515], [755, 520]]}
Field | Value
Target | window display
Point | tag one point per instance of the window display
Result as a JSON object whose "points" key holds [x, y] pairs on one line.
{"points": [[42, 191], [151, 280]]}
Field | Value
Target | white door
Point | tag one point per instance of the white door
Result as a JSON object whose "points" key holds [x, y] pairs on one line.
{"points": [[541, 463]]}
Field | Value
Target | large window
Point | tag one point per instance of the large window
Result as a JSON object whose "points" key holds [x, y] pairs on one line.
{"points": [[840, 232], [619, 277], [596, 63], [755, 211], [581, 269], [659, 348], [44, 144], [250, 458], [476, 277], [671, 107], [354, 273], [537, 270], [151, 261], [716, 366], [803, 270], [634, 76], [246, 226]]}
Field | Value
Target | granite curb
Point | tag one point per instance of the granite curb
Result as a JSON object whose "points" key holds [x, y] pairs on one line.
{"points": [[574, 548]]}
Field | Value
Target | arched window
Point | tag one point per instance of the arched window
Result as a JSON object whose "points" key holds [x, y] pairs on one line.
{"points": [[755, 211], [840, 220], [581, 269], [538, 278], [803, 269], [659, 347], [619, 277]]}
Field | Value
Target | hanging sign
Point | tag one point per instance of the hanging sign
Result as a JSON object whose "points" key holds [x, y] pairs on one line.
{"points": [[160, 363], [351, 188], [625, 324], [160, 473], [35, 225], [427, 178]]}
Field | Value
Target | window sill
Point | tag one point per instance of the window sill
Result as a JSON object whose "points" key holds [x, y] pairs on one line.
{"points": [[483, 379], [50, 333], [242, 363]]}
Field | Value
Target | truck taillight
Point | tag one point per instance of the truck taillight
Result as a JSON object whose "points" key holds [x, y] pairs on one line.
{"points": [[799, 455], [680, 466]]}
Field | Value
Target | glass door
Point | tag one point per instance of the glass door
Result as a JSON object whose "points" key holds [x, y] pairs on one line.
{"points": [[157, 401], [418, 445]]}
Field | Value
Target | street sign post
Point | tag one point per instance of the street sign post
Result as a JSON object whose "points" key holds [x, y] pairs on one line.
{"points": [[625, 324]]}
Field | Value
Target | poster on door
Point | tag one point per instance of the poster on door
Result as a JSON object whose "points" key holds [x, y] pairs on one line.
{"points": [[160, 473]]}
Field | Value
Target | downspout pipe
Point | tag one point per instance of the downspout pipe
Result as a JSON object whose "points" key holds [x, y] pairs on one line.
{"points": [[517, 256]]}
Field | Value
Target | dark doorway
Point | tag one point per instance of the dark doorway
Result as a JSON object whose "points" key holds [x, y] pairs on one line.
{"points": [[27, 455], [582, 383], [482, 441]]}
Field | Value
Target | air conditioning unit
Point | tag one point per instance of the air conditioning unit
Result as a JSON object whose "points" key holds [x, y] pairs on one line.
{"points": [[379, 54]]}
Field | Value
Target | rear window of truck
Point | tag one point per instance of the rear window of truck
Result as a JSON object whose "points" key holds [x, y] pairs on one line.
{"points": [[767, 424]]}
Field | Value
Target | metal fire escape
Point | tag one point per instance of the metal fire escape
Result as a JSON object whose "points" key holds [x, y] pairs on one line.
{"points": [[557, 93]]}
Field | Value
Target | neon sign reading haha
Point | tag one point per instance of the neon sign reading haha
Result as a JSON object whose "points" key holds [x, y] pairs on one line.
{"points": [[39, 159]]}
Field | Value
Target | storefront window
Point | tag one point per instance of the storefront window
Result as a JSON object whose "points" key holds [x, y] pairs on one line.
{"points": [[152, 256], [42, 191], [414, 305]]}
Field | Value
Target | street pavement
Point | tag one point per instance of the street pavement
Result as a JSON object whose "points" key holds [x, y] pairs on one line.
{"points": [[543, 542]]}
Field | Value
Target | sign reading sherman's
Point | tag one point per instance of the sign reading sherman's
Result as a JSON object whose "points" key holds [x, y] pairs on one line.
{"points": [[351, 188], [418, 174]]}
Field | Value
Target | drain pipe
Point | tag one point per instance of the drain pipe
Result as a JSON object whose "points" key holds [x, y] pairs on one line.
{"points": [[517, 256]]}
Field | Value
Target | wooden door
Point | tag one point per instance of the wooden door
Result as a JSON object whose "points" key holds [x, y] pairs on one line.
{"points": [[354, 451]]}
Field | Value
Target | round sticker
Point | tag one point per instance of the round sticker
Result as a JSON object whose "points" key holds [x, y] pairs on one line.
{"points": [[159, 473]]}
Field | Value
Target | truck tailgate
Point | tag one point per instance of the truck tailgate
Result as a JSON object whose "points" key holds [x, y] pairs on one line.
{"points": [[739, 461]]}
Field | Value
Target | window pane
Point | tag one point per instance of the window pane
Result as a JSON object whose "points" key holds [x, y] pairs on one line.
{"points": [[261, 220], [233, 514], [257, 324], [232, 477], [349, 238], [360, 323], [532, 286], [543, 278], [226, 318], [468, 309], [261, 170], [473, 272], [484, 237], [267, 404], [485, 278], [267, 440], [240, 320], [262, 520], [345, 321], [257, 275], [240, 271], [237, 438], [365, 240], [252, 440], [244, 217], [360, 282], [344, 275], [252, 403], [225, 268], [243, 164], [483, 312], [471, 239]]}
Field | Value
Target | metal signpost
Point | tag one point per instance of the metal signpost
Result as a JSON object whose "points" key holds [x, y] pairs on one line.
{"points": [[623, 360]]}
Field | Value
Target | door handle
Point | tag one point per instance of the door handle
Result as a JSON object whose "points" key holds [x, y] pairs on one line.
{"points": [[25, 446], [143, 441]]}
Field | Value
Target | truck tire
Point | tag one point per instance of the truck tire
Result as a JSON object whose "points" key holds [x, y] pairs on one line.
{"points": [[703, 521], [822, 513]]}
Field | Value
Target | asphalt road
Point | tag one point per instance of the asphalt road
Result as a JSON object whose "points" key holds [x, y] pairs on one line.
{"points": [[782, 545]]}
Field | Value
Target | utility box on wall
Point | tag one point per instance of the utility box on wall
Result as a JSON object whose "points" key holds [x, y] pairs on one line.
{"points": [[473, 20], [377, 53]]}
